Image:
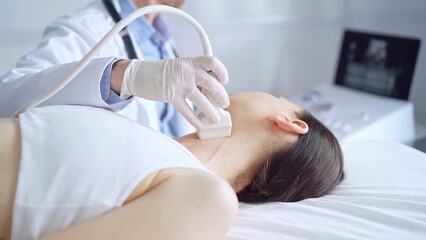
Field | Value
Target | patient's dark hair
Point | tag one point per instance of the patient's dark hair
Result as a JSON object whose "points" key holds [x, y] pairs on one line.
{"points": [[311, 168]]}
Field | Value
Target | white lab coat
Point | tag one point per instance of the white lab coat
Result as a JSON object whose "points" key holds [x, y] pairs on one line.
{"points": [[65, 42]]}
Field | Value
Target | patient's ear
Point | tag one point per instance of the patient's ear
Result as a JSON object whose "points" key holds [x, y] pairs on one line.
{"points": [[290, 125]]}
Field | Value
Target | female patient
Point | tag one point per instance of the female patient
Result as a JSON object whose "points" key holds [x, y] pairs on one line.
{"points": [[68, 178]]}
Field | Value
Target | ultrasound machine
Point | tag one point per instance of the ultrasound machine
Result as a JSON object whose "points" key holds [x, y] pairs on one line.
{"points": [[369, 96]]}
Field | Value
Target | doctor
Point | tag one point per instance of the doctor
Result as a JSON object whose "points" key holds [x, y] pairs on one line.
{"points": [[148, 90]]}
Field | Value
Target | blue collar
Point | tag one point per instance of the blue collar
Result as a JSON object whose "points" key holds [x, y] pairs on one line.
{"points": [[142, 30]]}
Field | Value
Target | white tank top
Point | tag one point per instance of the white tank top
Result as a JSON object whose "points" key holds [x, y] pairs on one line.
{"points": [[81, 162]]}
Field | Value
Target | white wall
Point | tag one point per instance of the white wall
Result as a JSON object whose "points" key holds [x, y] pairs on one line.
{"points": [[268, 45], [22, 23], [287, 46]]}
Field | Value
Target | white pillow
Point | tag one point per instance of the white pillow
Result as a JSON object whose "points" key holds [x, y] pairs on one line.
{"points": [[383, 196]]}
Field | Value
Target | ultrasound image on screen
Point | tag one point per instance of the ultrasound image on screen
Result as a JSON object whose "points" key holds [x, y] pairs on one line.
{"points": [[378, 64]]}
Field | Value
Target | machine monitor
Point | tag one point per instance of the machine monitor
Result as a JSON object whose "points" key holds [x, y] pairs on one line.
{"points": [[378, 64]]}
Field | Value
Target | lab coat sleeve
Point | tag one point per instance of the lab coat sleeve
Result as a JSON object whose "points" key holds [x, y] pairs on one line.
{"points": [[109, 96], [84, 89]]}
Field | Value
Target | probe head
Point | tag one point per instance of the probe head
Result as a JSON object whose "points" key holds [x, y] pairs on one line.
{"points": [[216, 130]]}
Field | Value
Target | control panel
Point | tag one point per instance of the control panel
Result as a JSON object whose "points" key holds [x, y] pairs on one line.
{"points": [[355, 115]]}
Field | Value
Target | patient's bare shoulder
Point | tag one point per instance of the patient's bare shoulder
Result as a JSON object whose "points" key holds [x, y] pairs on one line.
{"points": [[156, 178]]}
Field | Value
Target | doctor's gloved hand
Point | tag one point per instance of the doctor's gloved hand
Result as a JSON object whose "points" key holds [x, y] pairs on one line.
{"points": [[175, 80]]}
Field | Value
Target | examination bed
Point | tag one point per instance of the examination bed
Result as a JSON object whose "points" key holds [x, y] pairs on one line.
{"points": [[383, 196]]}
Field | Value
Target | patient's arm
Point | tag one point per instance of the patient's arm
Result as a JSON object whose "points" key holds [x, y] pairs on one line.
{"points": [[10, 152], [179, 204]]}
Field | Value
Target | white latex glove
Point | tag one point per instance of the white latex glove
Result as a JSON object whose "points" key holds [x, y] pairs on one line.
{"points": [[175, 80]]}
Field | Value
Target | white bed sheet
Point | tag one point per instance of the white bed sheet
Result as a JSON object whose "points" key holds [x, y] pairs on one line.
{"points": [[383, 196]]}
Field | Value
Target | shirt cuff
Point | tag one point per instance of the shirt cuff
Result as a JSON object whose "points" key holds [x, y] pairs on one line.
{"points": [[109, 96]]}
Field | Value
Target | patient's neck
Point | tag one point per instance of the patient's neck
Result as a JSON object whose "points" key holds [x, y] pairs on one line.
{"points": [[234, 158]]}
